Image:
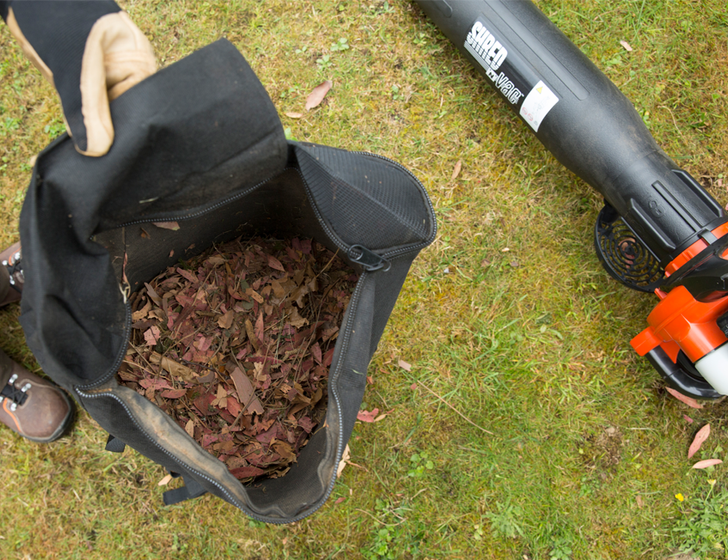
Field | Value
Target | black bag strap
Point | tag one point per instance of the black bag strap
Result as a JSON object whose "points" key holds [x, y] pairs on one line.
{"points": [[115, 445], [191, 489]]}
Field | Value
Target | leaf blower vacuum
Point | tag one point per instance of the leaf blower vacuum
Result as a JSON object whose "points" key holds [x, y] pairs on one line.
{"points": [[659, 230]]}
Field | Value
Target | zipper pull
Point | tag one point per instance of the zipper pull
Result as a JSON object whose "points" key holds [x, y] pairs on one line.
{"points": [[368, 259]]}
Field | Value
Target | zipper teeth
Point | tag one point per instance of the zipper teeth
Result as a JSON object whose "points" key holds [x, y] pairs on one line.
{"points": [[353, 304], [176, 458]]}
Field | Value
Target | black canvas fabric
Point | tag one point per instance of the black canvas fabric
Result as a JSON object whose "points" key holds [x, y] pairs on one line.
{"points": [[200, 143]]}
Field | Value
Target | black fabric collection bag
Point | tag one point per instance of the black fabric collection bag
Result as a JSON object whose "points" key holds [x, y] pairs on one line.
{"points": [[200, 143]]}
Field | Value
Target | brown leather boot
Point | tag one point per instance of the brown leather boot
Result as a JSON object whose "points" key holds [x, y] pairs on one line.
{"points": [[29, 405]]}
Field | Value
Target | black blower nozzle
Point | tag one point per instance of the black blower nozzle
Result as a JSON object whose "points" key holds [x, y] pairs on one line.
{"points": [[659, 230]]}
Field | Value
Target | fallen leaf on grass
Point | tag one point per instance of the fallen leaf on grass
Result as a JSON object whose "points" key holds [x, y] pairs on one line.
{"points": [[339, 500], [707, 463], [344, 458], [700, 437], [456, 171], [293, 115], [174, 226], [640, 502], [404, 365], [692, 403], [626, 45], [318, 94], [166, 480], [688, 419], [367, 415]]}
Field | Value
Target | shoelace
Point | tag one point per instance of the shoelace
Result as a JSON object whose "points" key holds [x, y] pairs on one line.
{"points": [[16, 396]]}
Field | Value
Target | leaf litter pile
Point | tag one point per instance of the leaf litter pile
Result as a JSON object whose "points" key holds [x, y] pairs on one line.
{"points": [[236, 345]]}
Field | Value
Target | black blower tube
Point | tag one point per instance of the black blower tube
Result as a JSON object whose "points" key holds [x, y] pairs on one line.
{"points": [[581, 117]]}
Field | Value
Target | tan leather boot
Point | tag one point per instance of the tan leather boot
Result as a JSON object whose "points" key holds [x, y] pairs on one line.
{"points": [[33, 407], [29, 405]]}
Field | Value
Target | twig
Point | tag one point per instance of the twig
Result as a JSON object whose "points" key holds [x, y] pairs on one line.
{"points": [[451, 407]]}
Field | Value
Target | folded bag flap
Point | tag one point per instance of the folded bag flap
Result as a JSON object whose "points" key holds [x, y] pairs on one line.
{"points": [[367, 199], [192, 134]]}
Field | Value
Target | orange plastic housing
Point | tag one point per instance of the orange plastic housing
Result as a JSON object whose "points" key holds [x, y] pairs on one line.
{"points": [[695, 249], [680, 318], [679, 321]]}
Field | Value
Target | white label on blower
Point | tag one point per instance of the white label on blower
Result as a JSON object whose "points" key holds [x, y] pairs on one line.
{"points": [[537, 105]]}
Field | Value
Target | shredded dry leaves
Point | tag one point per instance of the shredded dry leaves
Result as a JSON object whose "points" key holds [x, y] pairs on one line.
{"points": [[236, 345]]}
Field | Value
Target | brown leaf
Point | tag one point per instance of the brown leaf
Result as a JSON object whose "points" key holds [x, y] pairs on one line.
{"points": [[707, 463], [174, 226], [344, 458], [456, 171], [296, 319], [251, 334], [174, 368], [404, 365], [166, 480], [255, 295], [692, 403], [367, 416], [318, 94], [246, 391], [626, 45], [151, 335], [246, 472], [190, 428], [275, 264], [293, 115], [123, 269], [225, 321], [151, 292], [173, 393], [700, 437], [142, 313]]}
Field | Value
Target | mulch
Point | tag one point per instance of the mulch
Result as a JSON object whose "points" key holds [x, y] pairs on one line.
{"points": [[236, 345]]}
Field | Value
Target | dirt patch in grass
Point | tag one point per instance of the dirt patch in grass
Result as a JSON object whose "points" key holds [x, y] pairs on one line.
{"points": [[602, 452]]}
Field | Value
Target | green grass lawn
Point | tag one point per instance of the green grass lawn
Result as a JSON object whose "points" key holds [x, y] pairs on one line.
{"points": [[526, 428]]}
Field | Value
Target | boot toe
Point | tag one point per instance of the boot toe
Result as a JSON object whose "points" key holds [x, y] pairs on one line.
{"points": [[43, 414]]}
